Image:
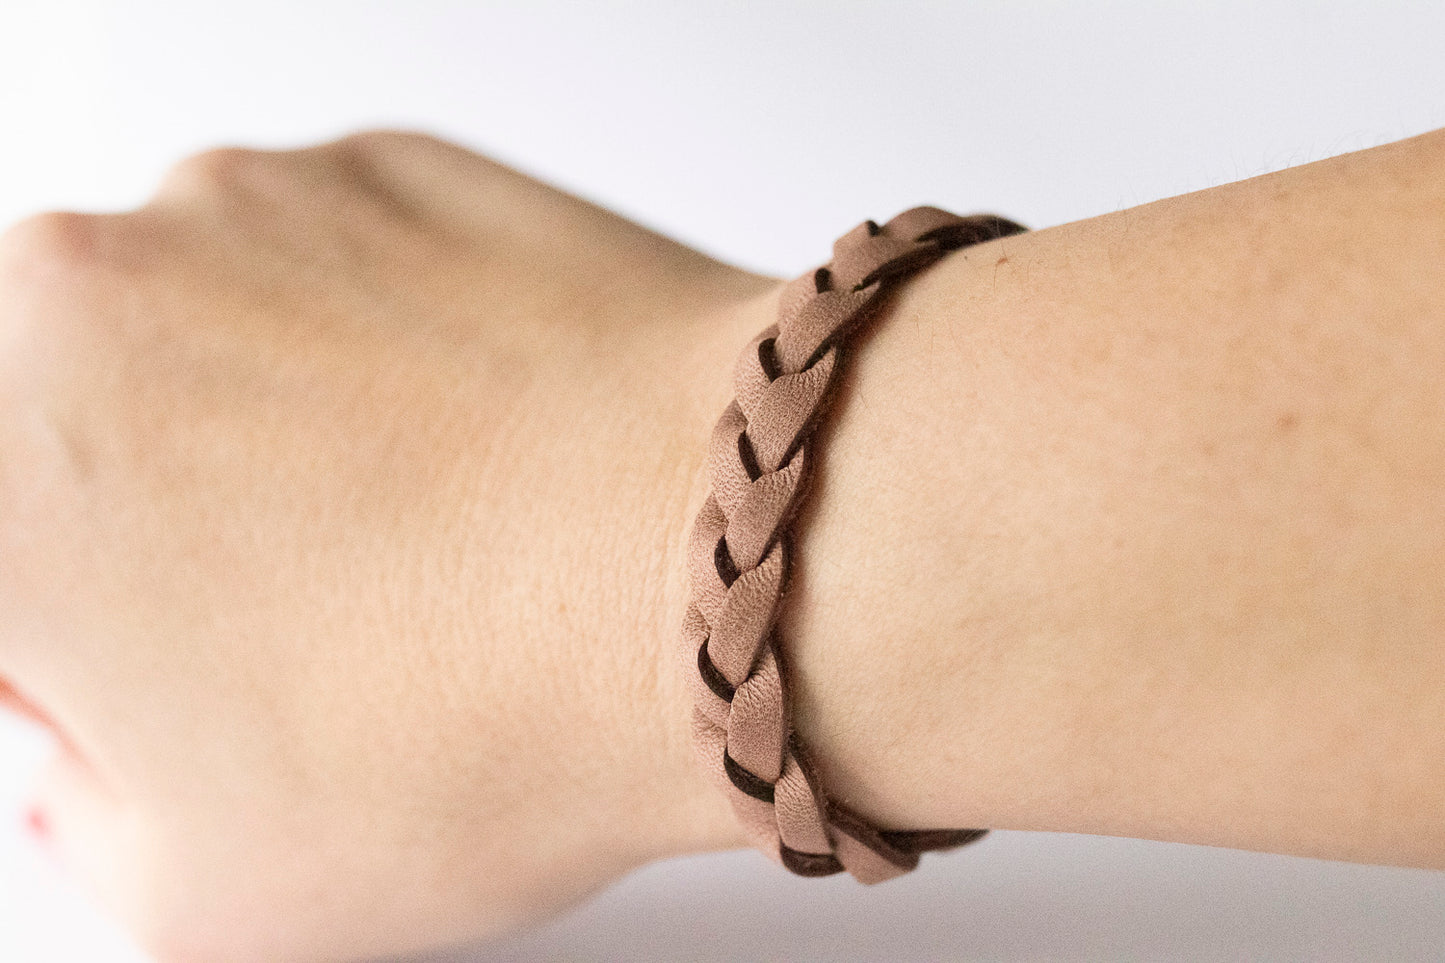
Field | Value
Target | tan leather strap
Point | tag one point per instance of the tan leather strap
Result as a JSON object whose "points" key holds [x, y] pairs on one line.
{"points": [[739, 549]]}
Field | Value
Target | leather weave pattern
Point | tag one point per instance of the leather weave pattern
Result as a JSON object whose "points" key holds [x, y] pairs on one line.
{"points": [[740, 543]]}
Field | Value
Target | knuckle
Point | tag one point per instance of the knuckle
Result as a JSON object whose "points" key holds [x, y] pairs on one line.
{"points": [[374, 140], [53, 240], [395, 150], [406, 159], [66, 277], [215, 169]]}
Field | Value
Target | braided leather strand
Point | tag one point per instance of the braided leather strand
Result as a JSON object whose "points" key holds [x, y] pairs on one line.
{"points": [[738, 557]]}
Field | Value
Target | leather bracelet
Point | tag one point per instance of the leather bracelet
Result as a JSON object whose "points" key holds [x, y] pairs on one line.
{"points": [[740, 544]]}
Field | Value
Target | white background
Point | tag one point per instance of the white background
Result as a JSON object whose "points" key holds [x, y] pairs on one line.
{"points": [[758, 132]]}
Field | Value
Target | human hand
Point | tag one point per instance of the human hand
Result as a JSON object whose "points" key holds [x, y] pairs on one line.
{"points": [[343, 506]]}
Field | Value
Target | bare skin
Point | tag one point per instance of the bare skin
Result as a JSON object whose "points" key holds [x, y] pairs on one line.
{"points": [[1136, 527], [345, 506], [340, 493]]}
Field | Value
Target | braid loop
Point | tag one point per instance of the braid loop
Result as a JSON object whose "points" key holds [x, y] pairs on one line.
{"points": [[739, 553]]}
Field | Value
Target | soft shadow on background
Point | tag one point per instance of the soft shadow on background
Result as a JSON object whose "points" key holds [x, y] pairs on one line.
{"points": [[759, 132], [1012, 897]]}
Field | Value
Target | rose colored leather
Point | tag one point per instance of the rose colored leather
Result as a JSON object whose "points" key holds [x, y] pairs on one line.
{"points": [[738, 555]]}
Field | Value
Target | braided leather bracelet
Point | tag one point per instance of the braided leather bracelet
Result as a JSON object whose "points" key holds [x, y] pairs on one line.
{"points": [[738, 556]]}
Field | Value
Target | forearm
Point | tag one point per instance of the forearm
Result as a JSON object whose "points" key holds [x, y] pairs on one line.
{"points": [[1133, 526]]}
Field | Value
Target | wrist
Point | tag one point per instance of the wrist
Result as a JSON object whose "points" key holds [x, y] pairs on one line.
{"points": [[694, 359], [884, 574]]}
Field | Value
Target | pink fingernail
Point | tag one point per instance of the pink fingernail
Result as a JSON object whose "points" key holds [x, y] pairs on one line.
{"points": [[42, 833], [37, 823]]}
